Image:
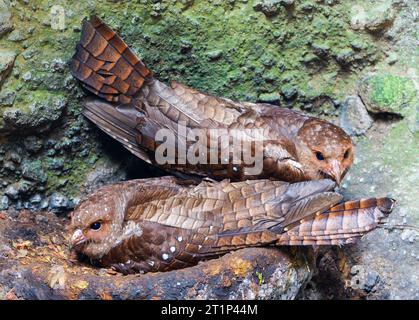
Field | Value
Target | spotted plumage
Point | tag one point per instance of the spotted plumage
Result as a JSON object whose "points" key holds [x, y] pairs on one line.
{"points": [[163, 223]]}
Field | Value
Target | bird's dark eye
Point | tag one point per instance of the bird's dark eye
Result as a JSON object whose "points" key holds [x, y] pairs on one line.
{"points": [[319, 156], [346, 154], [96, 225]]}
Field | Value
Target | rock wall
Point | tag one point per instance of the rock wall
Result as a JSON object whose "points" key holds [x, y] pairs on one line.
{"points": [[352, 62]]}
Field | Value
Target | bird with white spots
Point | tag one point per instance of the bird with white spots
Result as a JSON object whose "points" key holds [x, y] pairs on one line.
{"points": [[162, 224]]}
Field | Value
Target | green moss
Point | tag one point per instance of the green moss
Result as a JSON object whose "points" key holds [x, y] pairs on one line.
{"points": [[388, 93], [36, 111], [33, 171], [74, 173], [273, 97], [388, 90], [259, 275]]}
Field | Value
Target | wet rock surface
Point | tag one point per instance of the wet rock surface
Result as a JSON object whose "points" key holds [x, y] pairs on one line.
{"points": [[5, 17], [354, 63], [7, 59], [354, 117], [373, 19]]}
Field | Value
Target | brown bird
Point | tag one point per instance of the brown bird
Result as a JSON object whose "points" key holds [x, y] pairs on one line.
{"points": [[133, 107], [162, 224]]}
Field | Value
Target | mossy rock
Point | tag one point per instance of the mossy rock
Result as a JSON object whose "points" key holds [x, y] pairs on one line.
{"points": [[36, 114], [387, 93]]}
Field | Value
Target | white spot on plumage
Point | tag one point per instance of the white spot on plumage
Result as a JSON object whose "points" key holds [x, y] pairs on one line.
{"points": [[180, 239], [172, 249], [165, 256]]}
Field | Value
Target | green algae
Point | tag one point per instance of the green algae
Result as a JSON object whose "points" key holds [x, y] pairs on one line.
{"points": [[391, 91]]}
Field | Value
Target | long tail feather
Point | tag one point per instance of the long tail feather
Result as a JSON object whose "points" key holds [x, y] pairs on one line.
{"points": [[105, 65], [118, 125], [341, 224]]}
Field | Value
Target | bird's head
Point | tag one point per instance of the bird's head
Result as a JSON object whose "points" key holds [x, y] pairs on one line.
{"points": [[98, 222], [324, 150]]}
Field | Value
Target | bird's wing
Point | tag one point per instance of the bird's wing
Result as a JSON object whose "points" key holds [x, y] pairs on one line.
{"points": [[106, 67], [188, 209], [144, 191], [262, 216], [121, 124], [235, 209], [302, 214], [221, 202], [210, 219], [210, 111]]}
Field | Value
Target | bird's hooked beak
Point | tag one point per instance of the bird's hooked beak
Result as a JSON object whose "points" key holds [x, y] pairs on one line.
{"points": [[335, 172], [77, 239]]}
